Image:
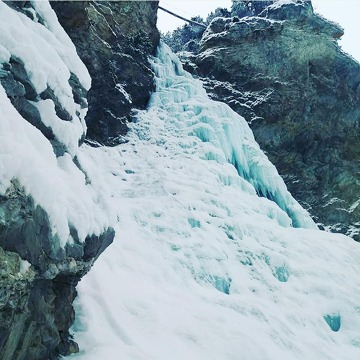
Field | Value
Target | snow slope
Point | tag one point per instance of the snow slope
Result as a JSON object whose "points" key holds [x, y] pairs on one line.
{"points": [[202, 267]]}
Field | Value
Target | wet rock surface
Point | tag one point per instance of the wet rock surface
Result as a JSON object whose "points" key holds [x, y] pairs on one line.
{"points": [[285, 73], [114, 40]]}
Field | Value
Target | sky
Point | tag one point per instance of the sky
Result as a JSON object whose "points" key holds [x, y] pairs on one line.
{"points": [[344, 12]]}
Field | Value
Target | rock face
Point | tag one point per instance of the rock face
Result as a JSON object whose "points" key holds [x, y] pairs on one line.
{"points": [[114, 40], [38, 270], [38, 279], [284, 72]]}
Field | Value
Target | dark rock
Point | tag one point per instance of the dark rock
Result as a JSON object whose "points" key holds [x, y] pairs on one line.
{"points": [[58, 147], [95, 245], [79, 93], [284, 72], [12, 87], [22, 94], [29, 112], [60, 111], [114, 40], [36, 309], [25, 229], [38, 327], [19, 73]]}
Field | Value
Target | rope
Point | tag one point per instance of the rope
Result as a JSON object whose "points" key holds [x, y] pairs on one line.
{"points": [[182, 18]]}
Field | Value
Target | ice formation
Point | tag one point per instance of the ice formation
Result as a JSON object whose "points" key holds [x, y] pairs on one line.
{"points": [[202, 266]]}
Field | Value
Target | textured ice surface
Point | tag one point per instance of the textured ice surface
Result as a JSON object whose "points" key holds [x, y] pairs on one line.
{"points": [[202, 267]]}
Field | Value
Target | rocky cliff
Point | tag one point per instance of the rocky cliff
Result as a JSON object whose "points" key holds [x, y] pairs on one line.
{"points": [[53, 223], [38, 279], [282, 69], [114, 40]]}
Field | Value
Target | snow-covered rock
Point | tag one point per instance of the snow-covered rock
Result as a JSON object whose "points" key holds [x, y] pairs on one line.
{"points": [[50, 217]]}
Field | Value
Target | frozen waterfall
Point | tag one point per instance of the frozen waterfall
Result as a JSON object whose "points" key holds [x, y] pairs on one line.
{"points": [[203, 267]]}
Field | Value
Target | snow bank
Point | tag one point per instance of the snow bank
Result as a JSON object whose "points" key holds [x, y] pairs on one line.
{"points": [[202, 267]]}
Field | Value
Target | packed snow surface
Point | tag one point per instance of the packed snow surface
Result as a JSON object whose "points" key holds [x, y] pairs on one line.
{"points": [[202, 267]]}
